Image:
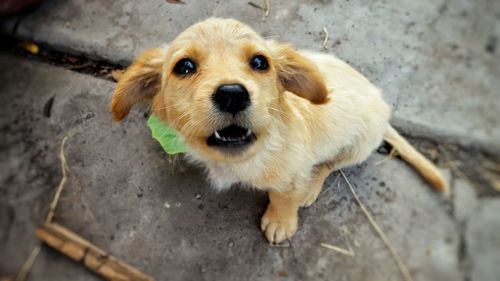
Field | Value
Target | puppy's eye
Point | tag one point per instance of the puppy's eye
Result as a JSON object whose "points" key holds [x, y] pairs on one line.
{"points": [[184, 67], [259, 62]]}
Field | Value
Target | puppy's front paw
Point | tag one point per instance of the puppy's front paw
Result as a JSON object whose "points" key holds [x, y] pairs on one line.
{"points": [[277, 225]]}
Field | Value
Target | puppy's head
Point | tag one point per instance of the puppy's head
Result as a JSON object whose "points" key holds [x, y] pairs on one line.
{"points": [[220, 85]]}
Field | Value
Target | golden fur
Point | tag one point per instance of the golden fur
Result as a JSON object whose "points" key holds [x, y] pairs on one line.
{"points": [[311, 113]]}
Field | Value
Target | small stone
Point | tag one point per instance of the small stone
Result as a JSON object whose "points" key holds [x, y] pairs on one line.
{"points": [[283, 273], [166, 205], [198, 196], [231, 244]]}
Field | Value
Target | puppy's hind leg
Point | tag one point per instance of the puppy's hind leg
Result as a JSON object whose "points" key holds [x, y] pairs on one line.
{"points": [[320, 173]]}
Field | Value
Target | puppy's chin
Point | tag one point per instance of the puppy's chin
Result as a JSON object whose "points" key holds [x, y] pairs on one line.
{"points": [[233, 143], [228, 145]]}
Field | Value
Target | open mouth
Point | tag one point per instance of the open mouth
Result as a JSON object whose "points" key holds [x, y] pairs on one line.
{"points": [[233, 136]]}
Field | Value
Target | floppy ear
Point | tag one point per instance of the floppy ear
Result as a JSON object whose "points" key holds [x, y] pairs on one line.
{"points": [[141, 81], [298, 74]]}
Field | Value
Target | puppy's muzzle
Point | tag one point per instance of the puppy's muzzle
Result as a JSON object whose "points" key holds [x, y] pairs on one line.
{"points": [[231, 98]]}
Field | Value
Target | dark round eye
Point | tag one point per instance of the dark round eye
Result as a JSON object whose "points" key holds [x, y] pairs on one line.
{"points": [[184, 66], [259, 63]]}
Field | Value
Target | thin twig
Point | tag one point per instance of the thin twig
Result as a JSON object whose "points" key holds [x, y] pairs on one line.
{"points": [[349, 252], [399, 262], [62, 183], [28, 264], [325, 41], [267, 8], [256, 6]]}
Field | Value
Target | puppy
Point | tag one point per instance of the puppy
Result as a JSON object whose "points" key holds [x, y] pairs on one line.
{"points": [[261, 113]]}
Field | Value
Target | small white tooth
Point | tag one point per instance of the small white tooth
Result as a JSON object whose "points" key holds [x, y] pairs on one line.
{"points": [[217, 135], [223, 139], [248, 133]]}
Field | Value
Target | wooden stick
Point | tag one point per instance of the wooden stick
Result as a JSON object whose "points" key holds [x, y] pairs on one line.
{"points": [[84, 252]]}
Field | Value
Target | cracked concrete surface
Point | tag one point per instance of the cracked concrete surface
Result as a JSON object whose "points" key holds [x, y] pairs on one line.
{"points": [[435, 60]]}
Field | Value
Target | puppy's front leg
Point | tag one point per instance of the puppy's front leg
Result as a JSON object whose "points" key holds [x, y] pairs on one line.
{"points": [[280, 219]]}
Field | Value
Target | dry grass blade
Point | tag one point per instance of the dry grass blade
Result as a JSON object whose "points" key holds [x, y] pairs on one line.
{"points": [[23, 273], [267, 8], [62, 183], [348, 252], [399, 262], [325, 41], [21, 276]]}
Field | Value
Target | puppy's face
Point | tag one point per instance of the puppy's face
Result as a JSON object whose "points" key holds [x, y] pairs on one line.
{"points": [[221, 86]]}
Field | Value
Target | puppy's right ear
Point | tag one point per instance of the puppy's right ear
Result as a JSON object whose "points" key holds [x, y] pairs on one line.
{"points": [[141, 81]]}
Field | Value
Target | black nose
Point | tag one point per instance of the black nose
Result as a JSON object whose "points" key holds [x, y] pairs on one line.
{"points": [[231, 98]]}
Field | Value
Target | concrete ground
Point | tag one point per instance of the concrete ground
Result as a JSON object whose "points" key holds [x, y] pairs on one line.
{"points": [[436, 61]]}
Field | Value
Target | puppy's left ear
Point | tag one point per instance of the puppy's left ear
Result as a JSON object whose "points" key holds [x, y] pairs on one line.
{"points": [[298, 74], [141, 81]]}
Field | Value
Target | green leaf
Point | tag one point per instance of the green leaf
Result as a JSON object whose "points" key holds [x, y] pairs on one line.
{"points": [[167, 137]]}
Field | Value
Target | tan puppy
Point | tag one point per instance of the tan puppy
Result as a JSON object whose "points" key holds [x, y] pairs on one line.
{"points": [[260, 113]]}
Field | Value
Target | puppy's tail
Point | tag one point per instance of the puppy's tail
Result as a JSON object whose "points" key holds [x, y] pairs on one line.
{"points": [[425, 167]]}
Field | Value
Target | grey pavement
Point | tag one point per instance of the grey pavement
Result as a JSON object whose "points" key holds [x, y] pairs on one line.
{"points": [[159, 214], [436, 61]]}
